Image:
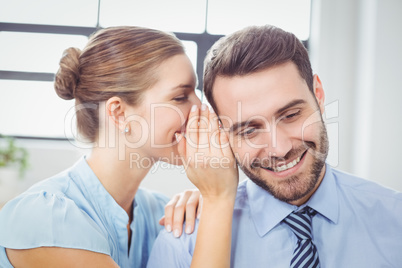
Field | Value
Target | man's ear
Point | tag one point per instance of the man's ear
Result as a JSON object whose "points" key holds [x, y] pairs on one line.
{"points": [[319, 93], [115, 111]]}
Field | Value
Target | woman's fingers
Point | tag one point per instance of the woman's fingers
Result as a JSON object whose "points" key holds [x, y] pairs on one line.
{"points": [[162, 221], [203, 131], [169, 211], [210, 162], [215, 143], [203, 139], [191, 208], [192, 132], [179, 212], [202, 134], [224, 141], [184, 205], [181, 146]]}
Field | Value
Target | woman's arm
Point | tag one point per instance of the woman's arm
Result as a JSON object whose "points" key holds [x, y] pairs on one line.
{"points": [[58, 257], [213, 245], [212, 168]]}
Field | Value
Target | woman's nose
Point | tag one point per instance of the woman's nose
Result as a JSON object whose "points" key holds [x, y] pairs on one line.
{"points": [[196, 101]]}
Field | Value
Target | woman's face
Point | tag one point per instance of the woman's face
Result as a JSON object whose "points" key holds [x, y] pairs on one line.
{"points": [[164, 111]]}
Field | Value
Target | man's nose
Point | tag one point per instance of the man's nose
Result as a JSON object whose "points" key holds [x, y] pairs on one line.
{"points": [[278, 143]]}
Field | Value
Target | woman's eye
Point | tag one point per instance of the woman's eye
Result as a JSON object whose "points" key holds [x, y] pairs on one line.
{"points": [[181, 98]]}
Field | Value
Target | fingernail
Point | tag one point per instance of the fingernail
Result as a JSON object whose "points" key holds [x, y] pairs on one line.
{"points": [[203, 107], [194, 108], [177, 136], [176, 233], [188, 229], [211, 109], [168, 228]]}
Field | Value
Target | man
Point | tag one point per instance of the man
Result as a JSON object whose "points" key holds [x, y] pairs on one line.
{"points": [[295, 211]]}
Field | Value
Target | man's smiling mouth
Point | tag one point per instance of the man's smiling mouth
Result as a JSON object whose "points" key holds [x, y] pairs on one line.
{"points": [[287, 166]]}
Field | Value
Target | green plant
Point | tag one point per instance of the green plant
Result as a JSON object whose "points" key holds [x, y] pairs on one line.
{"points": [[10, 154]]}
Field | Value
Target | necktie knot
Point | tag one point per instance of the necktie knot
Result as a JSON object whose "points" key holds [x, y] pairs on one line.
{"points": [[305, 254], [300, 223]]}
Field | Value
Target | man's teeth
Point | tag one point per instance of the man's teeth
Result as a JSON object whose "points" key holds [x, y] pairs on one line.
{"points": [[285, 167]]}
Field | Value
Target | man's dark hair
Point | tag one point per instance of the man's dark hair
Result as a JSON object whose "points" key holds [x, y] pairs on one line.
{"points": [[253, 49]]}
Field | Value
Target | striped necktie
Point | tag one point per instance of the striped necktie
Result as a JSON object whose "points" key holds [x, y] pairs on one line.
{"points": [[305, 255]]}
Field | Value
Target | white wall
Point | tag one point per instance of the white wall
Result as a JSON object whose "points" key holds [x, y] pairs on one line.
{"points": [[386, 137], [356, 48]]}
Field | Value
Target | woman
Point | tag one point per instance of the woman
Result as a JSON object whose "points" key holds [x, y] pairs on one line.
{"points": [[134, 92]]}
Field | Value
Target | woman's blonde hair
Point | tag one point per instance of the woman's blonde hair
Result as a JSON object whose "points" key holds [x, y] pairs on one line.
{"points": [[117, 61]]}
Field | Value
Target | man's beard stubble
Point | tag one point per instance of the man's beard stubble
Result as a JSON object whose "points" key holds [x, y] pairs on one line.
{"points": [[295, 187]]}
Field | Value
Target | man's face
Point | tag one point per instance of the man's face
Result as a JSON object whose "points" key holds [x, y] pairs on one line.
{"points": [[276, 129]]}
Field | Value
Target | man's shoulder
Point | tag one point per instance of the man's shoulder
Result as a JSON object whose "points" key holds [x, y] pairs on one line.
{"points": [[169, 251], [357, 186]]}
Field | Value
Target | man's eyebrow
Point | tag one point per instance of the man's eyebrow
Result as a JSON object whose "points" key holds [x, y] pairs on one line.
{"points": [[291, 104]]}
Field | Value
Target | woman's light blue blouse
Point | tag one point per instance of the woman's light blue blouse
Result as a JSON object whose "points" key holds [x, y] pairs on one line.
{"points": [[74, 210]]}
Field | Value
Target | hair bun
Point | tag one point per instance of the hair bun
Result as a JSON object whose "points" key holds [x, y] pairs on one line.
{"points": [[67, 76]]}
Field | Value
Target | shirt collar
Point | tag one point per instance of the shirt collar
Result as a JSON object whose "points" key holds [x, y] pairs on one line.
{"points": [[326, 191], [267, 211], [96, 193]]}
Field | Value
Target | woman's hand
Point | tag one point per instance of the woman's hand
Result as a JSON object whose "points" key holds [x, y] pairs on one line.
{"points": [[210, 165], [209, 161], [184, 205]]}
